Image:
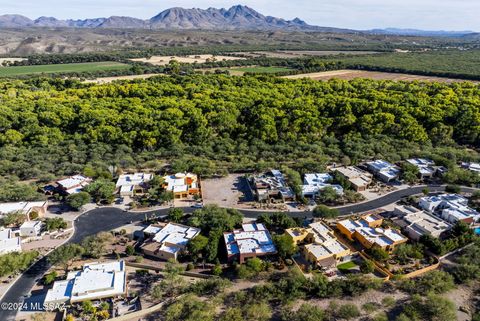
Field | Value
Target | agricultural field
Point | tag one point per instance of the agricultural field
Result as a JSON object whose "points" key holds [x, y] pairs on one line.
{"points": [[260, 70], [303, 53], [164, 60], [62, 68], [375, 75], [106, 80], [463, 64]]}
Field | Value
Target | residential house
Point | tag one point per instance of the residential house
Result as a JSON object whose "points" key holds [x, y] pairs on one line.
{"points": [[368, 231], [450, 207], [182, 185], [321, 247], [167, 241], [8, 242], [253, 240], [474, 167], [426, 167], [31, 228], [271, 186], [313, 184], [95, 281], [416, 223], [359, 179], [131, 184], [73, 184], [383, 170], [25, 208]]}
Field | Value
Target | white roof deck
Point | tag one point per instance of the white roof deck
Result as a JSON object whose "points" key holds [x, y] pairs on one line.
{"points": [[133, 179], [176, 234], [10, 245], [74, 181], [449, 206], [96, 280], [317, 178], [5, 233], [424, 165], [23, 207], [152, 229], [384, 169], [253, 238], [31, 224]]}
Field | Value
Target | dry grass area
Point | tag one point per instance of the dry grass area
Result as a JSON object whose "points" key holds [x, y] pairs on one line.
{"points": [[164, 60], [106, 80], [375, 75], [462, 296]]}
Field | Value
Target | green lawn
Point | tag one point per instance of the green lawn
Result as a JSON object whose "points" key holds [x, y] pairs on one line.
{"points": [[261, 70], [62, 68], [347, 265]]}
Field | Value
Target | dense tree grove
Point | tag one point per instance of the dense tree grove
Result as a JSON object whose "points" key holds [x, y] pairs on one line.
{"points": [[239, 123]]}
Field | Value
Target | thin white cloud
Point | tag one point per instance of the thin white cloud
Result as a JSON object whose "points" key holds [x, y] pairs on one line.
{"points": [[355, 14]]}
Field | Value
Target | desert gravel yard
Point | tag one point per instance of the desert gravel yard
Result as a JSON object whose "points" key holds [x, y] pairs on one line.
{"points": [[229, 191]]}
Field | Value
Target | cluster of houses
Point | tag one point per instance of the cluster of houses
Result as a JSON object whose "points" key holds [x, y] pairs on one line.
{"points": [[318, 242], [271, 186], [182, 185]]}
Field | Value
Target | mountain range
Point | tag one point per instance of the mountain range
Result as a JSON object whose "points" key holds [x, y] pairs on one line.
{"points": [[238, 17]]}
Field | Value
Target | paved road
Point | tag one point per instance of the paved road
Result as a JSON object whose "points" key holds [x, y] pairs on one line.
{"points": [[106, 219]]}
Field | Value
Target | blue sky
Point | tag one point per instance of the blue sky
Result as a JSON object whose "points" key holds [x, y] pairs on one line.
{"points": [[356, 14]]}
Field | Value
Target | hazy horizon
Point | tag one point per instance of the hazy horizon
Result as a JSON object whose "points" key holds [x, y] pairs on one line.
{"points": [[432, 15]]}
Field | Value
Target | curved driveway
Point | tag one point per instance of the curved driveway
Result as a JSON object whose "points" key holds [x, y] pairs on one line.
{"points": [[106, 219]]}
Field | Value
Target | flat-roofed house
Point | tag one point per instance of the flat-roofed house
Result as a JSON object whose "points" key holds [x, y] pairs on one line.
{"points": [[314, 184], [73, 184], [168, 241], [253, 240], [24, 207], [131, 184], [95, 281], [416, 223], [450, 207], [425, 167], [322, 248], [271, 186], [367, 230], [359, 179], [474, 167], [31, 228], [182, 185], [383, 170], [9, 243]]}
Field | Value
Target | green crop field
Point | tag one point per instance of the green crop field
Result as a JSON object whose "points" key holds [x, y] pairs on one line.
{"points": [[261, 70], [62, 68]]}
